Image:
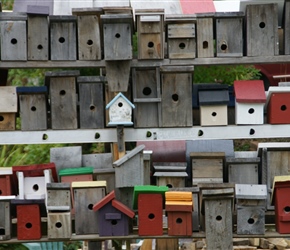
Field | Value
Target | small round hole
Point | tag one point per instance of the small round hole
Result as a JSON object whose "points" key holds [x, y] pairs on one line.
{"points": [[1, 118], [40, 47], [175, 97], [33, 108], [151, 216], [287, 209], [214, 114], [28, 225], [148, 134], [283, 107], [90, 206], [224, 47], [251, 111], [200, 133], [62, 92], [205, 44], [0, 192], [251, 221], [252, 131], [35, 187], [169, 185], [150, 45], [61, 40], [14, 41], [218, 218], [114, 222], [90, 42], [262, 25], [97, 136], [58, 224], [182, 45], [178, 220], [92, 107], [147, 91], [120, 104], [44, 137], [117, 35]]}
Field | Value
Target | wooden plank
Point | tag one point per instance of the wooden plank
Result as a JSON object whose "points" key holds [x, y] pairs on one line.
{"points": [[204, 36], [59, 225]]}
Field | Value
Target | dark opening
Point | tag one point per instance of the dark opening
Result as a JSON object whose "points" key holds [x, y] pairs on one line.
{"points": [[200, 133], [62, 92], [205, 44], [283, 107], [120, 104], [150, 45], [44, 137], [169, 185], [218, 218], [175, 97], [14, 41], [40, 47], [61, 40], [251, 221], [1, 118], [224, 47], [90, 42], [287, 209], [33, 108], [182, 45], [178, 220], [58, 224], [90, 206], [117, 35], [97, 136], [2, 231], [251, 111], [262, 25], [114, 222], [214, 113], [92, 107], [252, 131], [35, 187], [151, 216], [28, 225], [147, 91]]}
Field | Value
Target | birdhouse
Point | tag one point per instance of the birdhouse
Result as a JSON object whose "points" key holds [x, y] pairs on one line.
{"points": [[37, 33], [120, 111], [33, 107], [217, 205], [176, 99], [5, 217], [113, 216], [213, 102], [277, 105], [181, 36], [28, 222], [63, 98], [5, 181], [58, 196], [63, 38], [86, 194], [59, 225], [147, 97], [89, 33], [129, 170], [13, 36], [229, 34], [262, 26], [251, 205], [243, 168], [285, 26], [207, 167], [76, 174], [150, 28], [8, 107], [204, 35], [280, 199], [250, 101], [178, 206], [91, 92], [149, 217], [171, 174]]}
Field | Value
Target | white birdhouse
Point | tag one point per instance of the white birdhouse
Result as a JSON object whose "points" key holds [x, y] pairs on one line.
{"points": [[120, 111]]}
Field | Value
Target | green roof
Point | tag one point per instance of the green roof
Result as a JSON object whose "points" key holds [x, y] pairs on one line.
{"points": [[76, 171]]}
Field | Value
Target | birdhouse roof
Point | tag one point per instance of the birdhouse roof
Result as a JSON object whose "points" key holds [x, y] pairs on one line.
{"points": [[116, 98], [128, 156], [250, 91]]}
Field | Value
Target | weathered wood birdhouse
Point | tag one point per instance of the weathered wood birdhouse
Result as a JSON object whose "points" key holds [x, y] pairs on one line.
{"points": [[150, 30], [86, 194], [251, 203], [13, 36], [179, 206], [229, 34], [8, 107], [63, 38], [280, 200], [113, 216], [250, 100], [63, 98], [277, 105], [262, 26], [120, 111], [37, 33], [91, 92], [5, 181], [176, 100], [147, 97], [33, 107], [181, 36], [5, 217], [89, 33], [213, 102], [149, 217]]}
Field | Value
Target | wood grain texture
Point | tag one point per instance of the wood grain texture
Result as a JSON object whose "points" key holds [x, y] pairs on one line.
{"points": [[59, 225]]}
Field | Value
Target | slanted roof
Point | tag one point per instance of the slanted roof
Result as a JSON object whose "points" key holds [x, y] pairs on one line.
{"points": [[116, 98], [128, 156], [250, 91], [104, 201], [122, 208]]}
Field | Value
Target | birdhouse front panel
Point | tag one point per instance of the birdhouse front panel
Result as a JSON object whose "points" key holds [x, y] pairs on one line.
{"points": [[179, 223], [28, 222], [150, 217], [8, 99], [120, 112], [5, 220], [7, 121], [5, 185], [214, 115], [59, 225], [262, 26], [58, 196], [243, 173], [278, 111], [249, 113], [13, 29]]}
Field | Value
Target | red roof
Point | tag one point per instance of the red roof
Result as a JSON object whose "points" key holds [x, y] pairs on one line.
{"points": [[104, 201], [124, 209], [197, 6], [250, 91]]}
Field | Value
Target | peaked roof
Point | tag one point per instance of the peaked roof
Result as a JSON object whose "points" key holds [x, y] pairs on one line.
{"points": [[250, 91], [115, 99]]}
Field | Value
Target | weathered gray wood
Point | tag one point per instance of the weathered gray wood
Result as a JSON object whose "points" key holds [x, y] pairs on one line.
{"points": [[204, 35], [33, 112], [37, 37], [147, 98], [59, 225], [5, 220], [147, 158], [63, 103], [91, 102], [63, 40], [8, 99], [229, 32], [262, 26], [89, 35], [286, 28], [176, 104], [86, 221], [58, 197]]}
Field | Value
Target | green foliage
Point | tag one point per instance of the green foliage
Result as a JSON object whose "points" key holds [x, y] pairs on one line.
{"points": [[12, 247], [225, 74], [72, 245], [7, 4]]}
